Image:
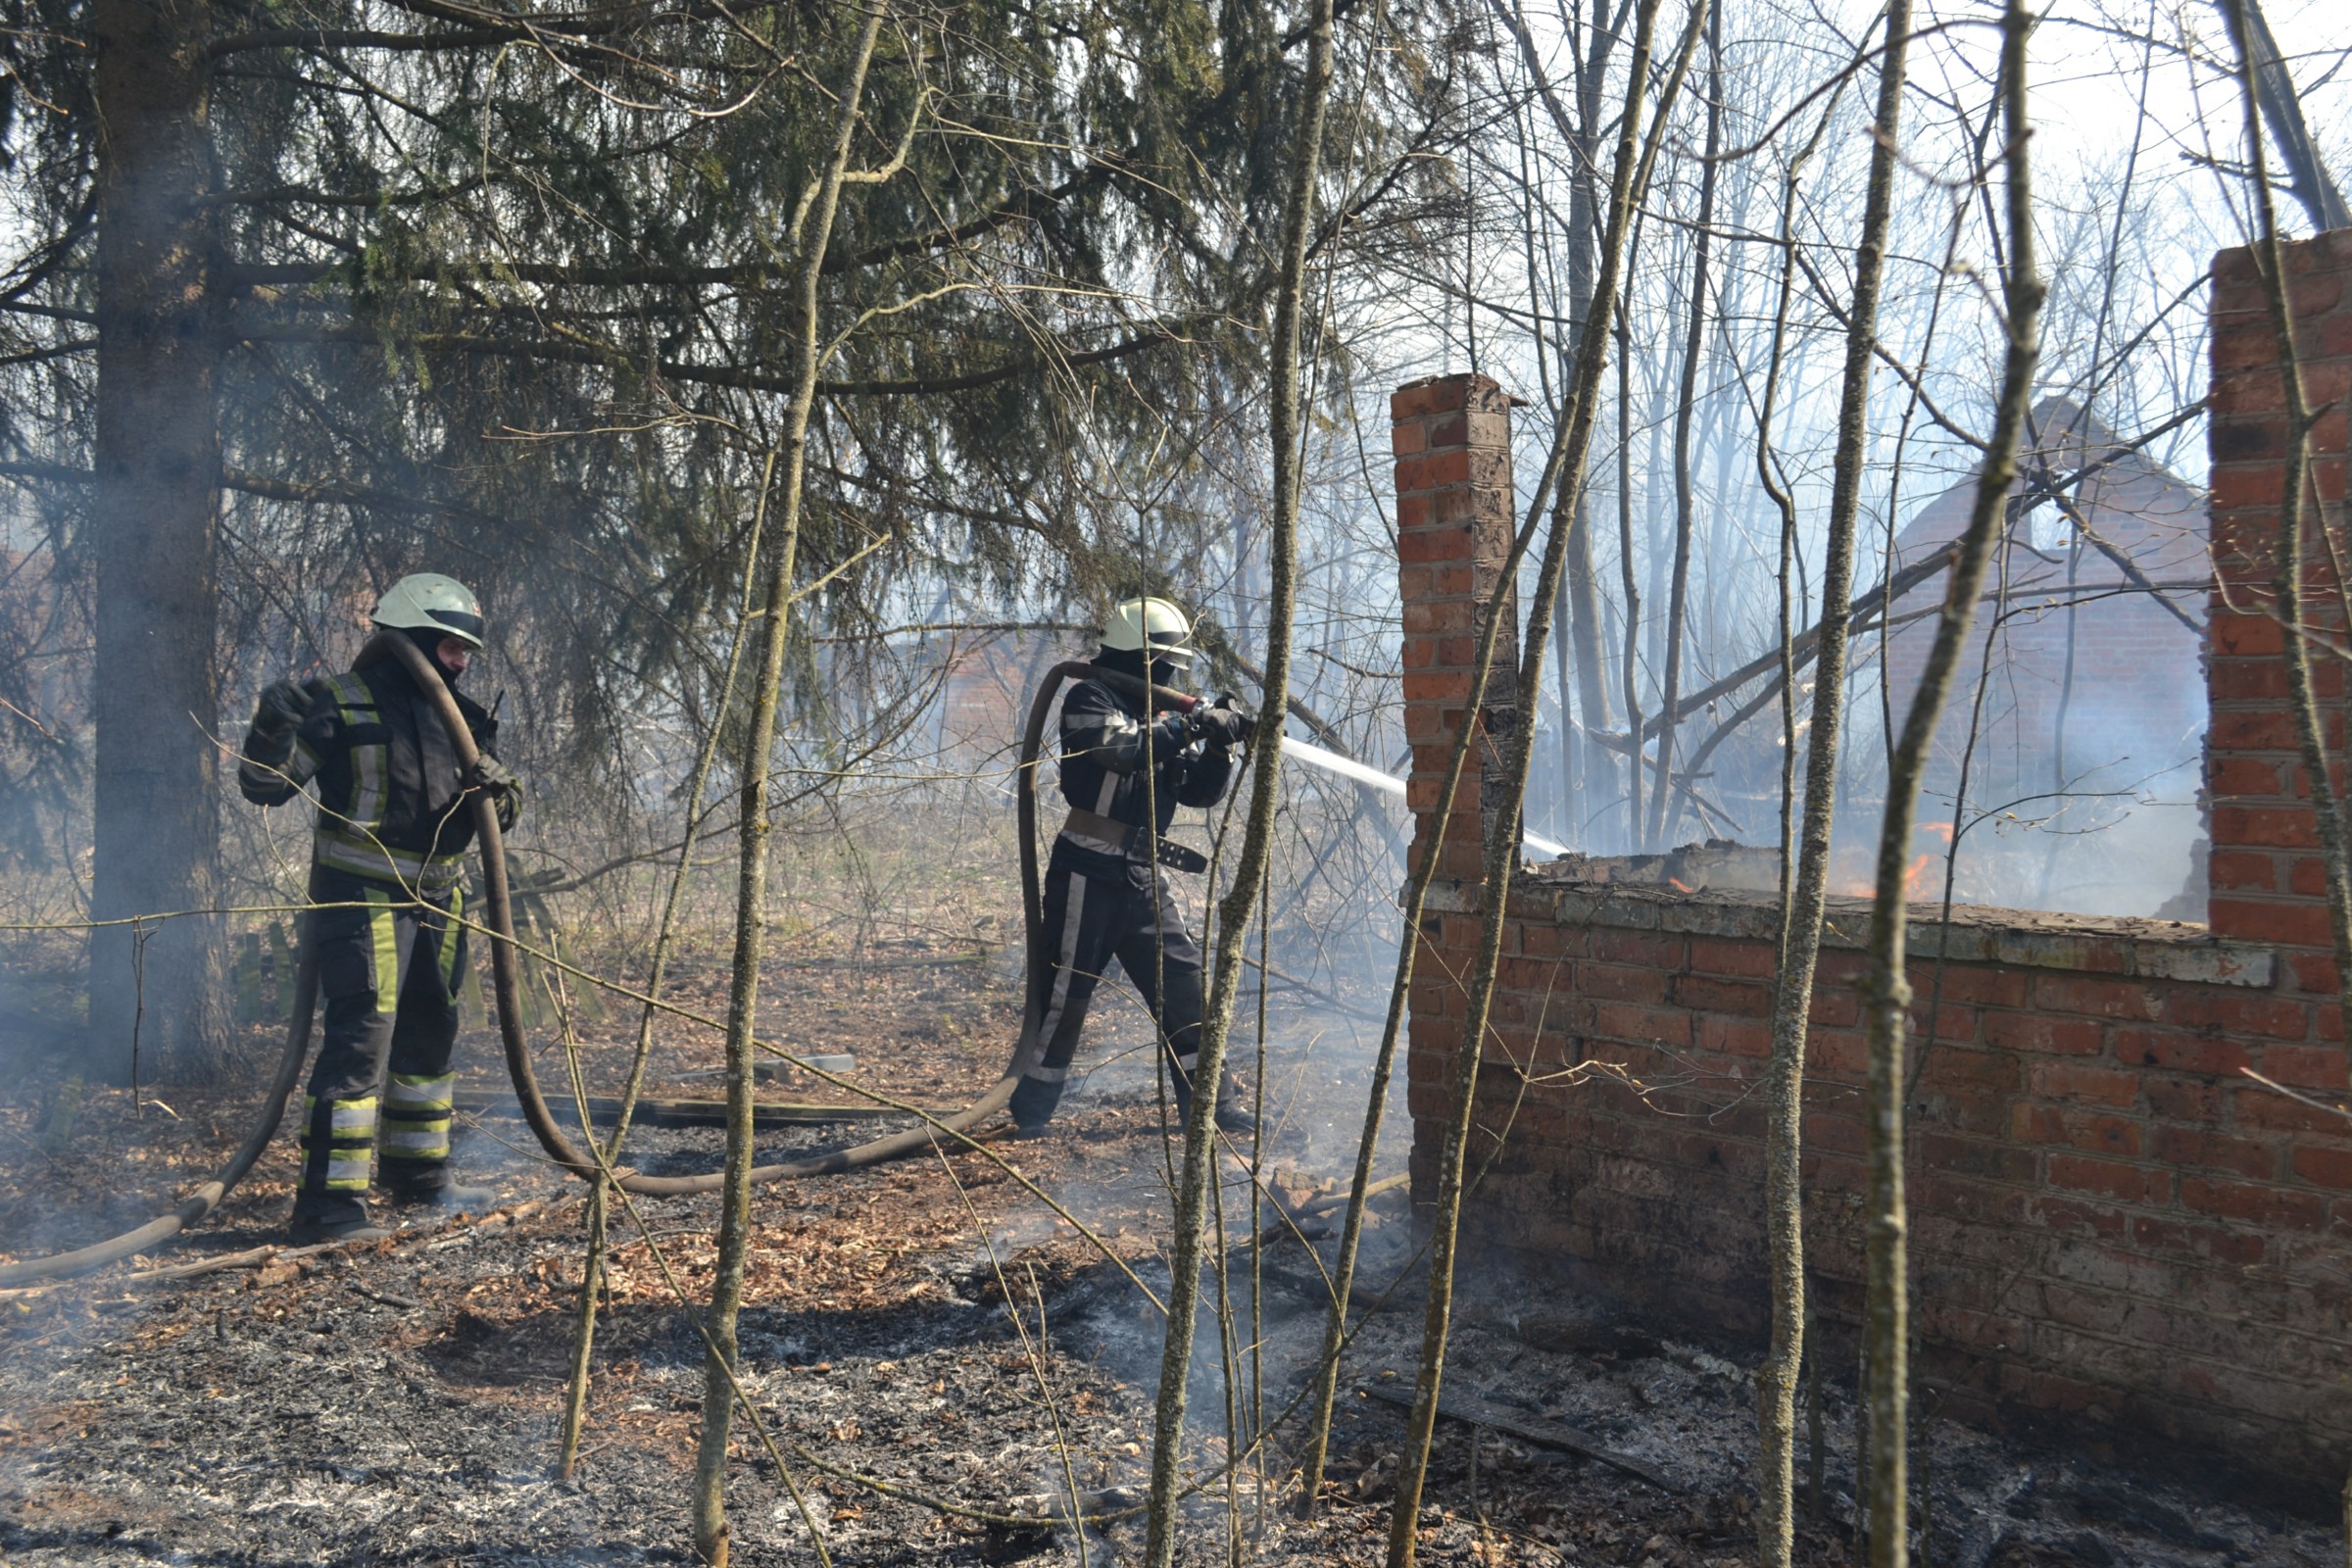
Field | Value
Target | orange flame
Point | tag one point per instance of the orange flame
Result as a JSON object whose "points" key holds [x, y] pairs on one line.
{"points": [[1915, 880], [1681, 885]]}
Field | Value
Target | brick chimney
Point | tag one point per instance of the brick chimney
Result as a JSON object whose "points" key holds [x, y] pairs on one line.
{"points": [[1452, 439]]}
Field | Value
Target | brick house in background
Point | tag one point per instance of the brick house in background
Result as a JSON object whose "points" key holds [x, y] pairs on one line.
{"points": [[2100, 620], [2078, 581], [986, 689]]}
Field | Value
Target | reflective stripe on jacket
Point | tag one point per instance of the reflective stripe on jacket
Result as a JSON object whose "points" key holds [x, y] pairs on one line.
{"points": [[1115, 764], [391, 803]]}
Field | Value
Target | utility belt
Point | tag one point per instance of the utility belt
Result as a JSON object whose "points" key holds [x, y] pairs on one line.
{"points": [[430, 875], [1108, 835]]}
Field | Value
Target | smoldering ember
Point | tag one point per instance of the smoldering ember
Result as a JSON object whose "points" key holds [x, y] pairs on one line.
{"points": [[1159, 782]]}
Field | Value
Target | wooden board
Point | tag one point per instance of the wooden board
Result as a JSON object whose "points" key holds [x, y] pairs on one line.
{"points": [[1478, 1413]]}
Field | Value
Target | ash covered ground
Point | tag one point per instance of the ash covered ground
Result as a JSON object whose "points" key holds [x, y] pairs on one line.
{"points": [[931, 1327]]}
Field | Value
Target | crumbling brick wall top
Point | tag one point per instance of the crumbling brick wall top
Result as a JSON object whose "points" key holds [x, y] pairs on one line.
{"points": [[2087, 944]]}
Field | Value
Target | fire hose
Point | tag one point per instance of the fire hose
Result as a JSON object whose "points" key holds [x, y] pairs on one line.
{"points": [[505, 974]]}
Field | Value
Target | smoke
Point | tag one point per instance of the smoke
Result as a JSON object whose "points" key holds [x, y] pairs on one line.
{"points": [[1310, 1071], [2106, 818]]}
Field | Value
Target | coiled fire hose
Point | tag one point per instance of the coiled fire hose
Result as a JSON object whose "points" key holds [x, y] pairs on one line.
{"points": [[506, 980], [206, 1197]]}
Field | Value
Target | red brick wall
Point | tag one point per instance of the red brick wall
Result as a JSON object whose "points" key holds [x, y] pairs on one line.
{"points": [[984, 698], [2110, 1223], [2264, 873]]}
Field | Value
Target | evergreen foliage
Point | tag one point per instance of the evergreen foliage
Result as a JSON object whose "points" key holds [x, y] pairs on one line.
{"points": [[499, 291]]}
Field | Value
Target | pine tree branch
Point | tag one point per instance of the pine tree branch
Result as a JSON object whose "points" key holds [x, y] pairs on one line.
{"points": [[1060, 356], [649, 275]]}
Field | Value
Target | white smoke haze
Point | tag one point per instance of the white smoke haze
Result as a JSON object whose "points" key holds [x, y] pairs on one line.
{"points": [[2066, 775]]}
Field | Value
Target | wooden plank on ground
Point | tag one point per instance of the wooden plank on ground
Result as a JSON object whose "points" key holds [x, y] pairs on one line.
{"points": [[1478, 1413], [692, 1113]]}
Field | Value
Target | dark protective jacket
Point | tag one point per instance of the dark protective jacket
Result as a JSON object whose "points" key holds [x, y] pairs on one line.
{"points": [[1104, 747], [391, 803]]}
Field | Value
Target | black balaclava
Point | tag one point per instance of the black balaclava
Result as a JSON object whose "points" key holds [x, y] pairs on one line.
{"points": [[431, 638], [1130, 662]]}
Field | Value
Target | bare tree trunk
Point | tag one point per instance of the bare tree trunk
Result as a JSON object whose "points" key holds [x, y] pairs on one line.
{"points": [[1626, 580], [2326, 805], [1785, 1072], [1582, 133], [1886, 990], [1565, 792], [1584, 623], [1502, 848], [1257, 832], [750, 895], [157, 512], [2275, 92], [592, 1266], [1808, 889], [1662, 814]]}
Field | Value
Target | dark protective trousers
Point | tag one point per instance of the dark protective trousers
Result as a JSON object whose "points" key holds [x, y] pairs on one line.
{"points": [[389, 963], [1091, 918]]}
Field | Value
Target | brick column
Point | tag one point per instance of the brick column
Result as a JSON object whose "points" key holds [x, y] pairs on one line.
{"points": [[1452, 439], [2264, 875]]}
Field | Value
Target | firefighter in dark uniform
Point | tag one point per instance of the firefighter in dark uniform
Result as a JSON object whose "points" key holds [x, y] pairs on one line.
{"points": [[386, 863], [1125, 768]]}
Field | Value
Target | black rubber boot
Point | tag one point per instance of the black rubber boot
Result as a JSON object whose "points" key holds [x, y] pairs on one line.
{"points": [[1033, 1104], [454, 1198], [1231, 1119], [350, 1223]]}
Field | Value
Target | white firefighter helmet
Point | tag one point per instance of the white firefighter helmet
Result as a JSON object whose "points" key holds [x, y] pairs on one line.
{"points": [[1136, 624], [427, 601]]}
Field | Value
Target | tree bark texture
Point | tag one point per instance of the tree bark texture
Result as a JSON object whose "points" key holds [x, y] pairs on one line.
{"points": [[1885, 991], [1257, 832], [1792, 996], [708, 1506], [1627, 182], [1585, 620], [155, 693], [1629, 653], [1785, 1069]]}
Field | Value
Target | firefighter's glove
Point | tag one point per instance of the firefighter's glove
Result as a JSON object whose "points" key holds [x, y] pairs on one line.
{"points": [[1223, 726], [490, 774], [1246, 720], [282, 707]]}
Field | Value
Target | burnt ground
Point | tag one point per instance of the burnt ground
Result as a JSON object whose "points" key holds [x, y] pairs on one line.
{"points": [[398, 1405]]}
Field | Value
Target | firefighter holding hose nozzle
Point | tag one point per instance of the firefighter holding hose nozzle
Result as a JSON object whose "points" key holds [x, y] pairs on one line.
{"points": [[387, 865], [1126, 765]]}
